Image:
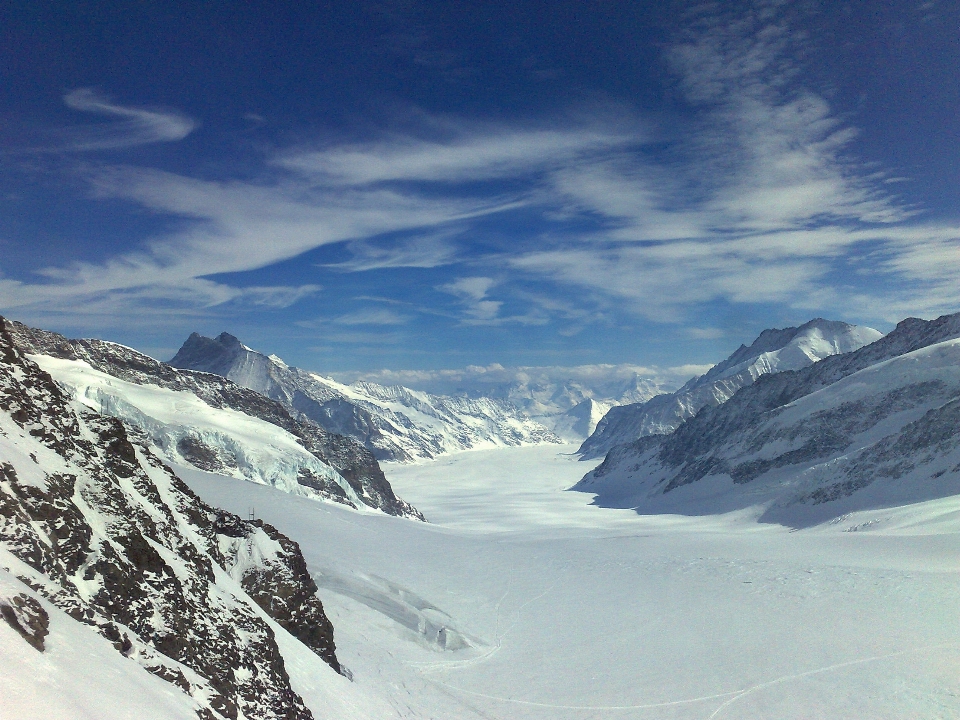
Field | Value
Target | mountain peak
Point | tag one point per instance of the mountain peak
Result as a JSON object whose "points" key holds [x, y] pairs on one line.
{"points": [[227, 340], [208, 354]]}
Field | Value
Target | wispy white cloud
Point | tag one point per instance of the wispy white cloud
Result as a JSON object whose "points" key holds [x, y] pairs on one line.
{"points": [[705, 333], [660, 282], [688, 371], [758, 201], [280, 296], [484, 154], [472, 292], [428, 250], [231, 223], [373, 316], [134, 126], [761, 203]]}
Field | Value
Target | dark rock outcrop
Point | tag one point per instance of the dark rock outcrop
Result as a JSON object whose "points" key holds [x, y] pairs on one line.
{"points": [[26, 615]]}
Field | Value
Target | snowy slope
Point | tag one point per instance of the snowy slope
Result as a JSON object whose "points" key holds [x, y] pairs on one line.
{"points": [[80, 674], [207, 421], [875, 428], [524, 602], [183, 429], [395, 423], [579, 421], [773, 351], [119, 587]]}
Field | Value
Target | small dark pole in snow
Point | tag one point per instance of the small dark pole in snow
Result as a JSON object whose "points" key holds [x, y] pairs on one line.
{"points": [[252, 515]]}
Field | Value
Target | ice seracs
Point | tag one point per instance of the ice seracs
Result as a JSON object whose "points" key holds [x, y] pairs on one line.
{"points": [[773, 351]]}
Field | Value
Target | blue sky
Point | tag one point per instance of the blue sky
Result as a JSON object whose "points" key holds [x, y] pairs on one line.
{"points": [[406, 185]]}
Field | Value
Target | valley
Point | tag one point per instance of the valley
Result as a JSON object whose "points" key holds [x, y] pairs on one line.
{"points": [[789, 551], [568, 610]]}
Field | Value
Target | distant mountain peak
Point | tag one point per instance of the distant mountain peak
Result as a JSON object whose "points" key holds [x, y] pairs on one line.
{"points": [[207, 354]]}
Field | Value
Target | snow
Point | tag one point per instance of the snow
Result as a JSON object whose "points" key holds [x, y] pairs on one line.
{"points": [[813, 344], [260, 451], [571, 611], [79, 676], [771, 352], [424, 425], [862, 401]]}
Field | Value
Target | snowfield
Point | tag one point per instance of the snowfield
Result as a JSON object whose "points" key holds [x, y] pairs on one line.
{"points": [[521, 600], [258, 450]]}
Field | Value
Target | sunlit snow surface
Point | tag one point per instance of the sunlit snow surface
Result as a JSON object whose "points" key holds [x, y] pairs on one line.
{"points": [[520, 600]]}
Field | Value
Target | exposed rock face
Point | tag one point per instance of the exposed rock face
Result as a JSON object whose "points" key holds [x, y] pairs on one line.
{"points": [[93, 522], [271, 569], [874, 427], [773, 351], [329, 466], [27, 616], [393, 422]]}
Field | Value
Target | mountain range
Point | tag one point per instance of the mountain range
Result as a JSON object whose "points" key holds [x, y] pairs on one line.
{"points": [[875, 427], [774, 351], [118, 584], [394, 422], [104, 550], [210, 423]]}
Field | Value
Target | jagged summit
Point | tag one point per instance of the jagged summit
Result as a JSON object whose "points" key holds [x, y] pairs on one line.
{"points": [[775, 350], [841, 336], [209, 422], [208, 354]]}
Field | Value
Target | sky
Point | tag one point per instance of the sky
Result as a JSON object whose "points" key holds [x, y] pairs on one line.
{"points": [[432, 185]]}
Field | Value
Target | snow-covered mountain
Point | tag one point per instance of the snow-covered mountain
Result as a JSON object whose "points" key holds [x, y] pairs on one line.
{"points": [[876, 427], [555, 396], [123, 594], [208, 422], [571, 407], [394, 422], [772, 352]]}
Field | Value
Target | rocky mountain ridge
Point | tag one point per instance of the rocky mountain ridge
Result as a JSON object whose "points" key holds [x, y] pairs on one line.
{"points": [[394, 422], [775, 350], [567, 400], [869, 428], [208, 422]]}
